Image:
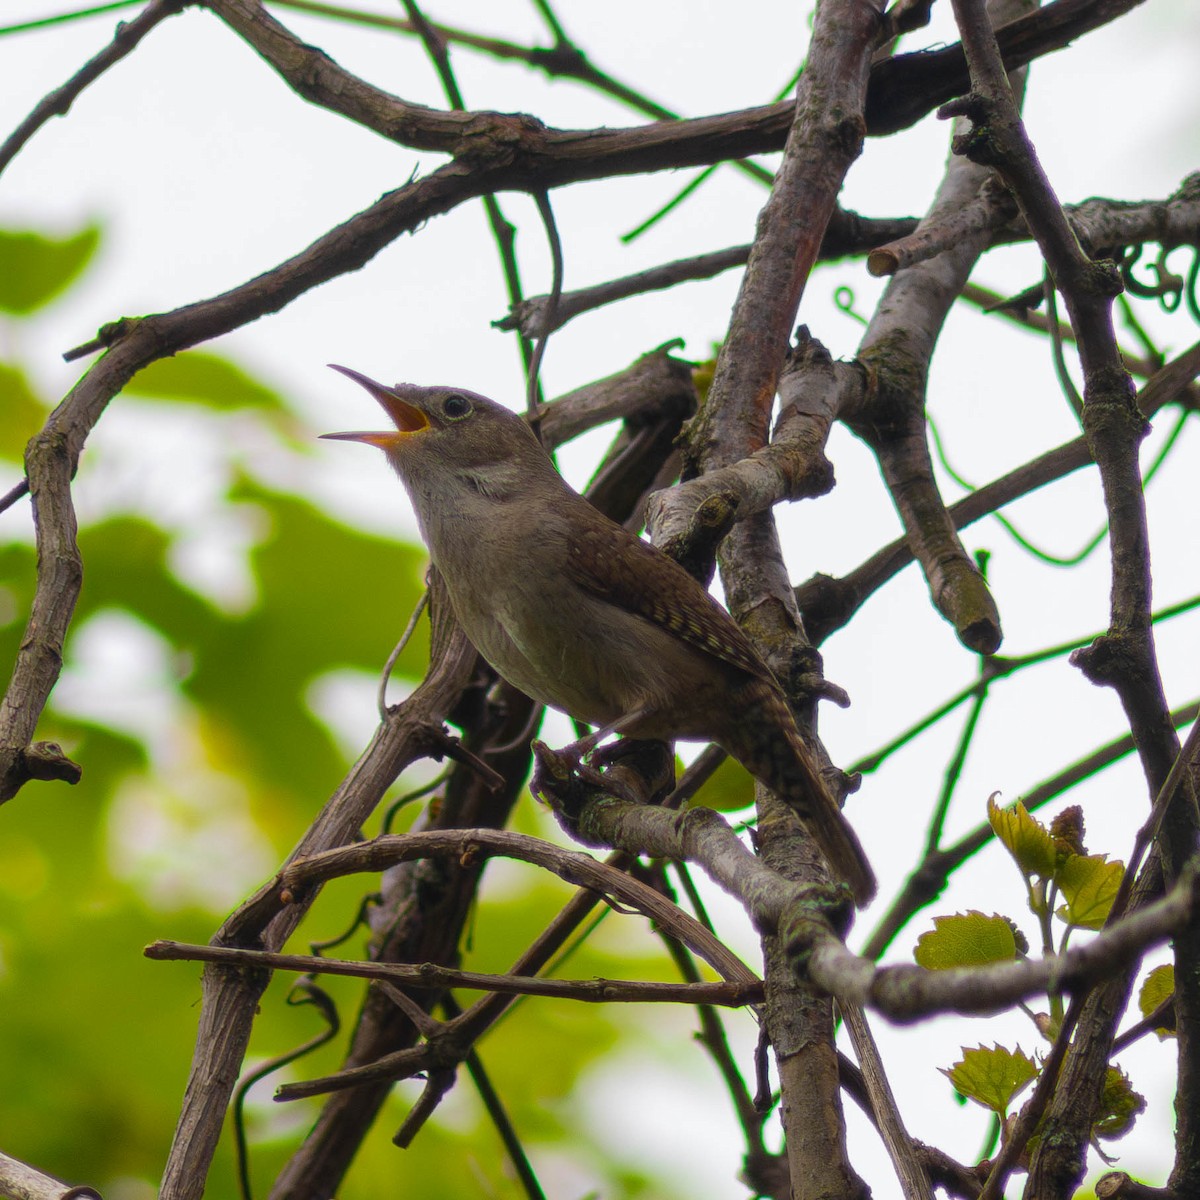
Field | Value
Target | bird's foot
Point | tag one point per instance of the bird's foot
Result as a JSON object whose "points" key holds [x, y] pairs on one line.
{"points": [[568, 775]]}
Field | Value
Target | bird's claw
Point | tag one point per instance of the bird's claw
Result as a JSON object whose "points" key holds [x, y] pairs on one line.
{"points": [[568, 776]]}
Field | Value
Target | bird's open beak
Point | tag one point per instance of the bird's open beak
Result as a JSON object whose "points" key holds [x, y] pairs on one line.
{"points": [[408, 419]]}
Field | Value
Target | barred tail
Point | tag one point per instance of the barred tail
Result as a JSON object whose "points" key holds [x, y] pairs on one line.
{"points": [[767, 743]]}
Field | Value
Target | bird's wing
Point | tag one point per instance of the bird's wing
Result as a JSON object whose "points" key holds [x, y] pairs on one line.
{"points": [[611, 563]]}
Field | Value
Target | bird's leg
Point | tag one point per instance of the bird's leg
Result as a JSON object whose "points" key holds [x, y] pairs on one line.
{"points": [[582, 747]]}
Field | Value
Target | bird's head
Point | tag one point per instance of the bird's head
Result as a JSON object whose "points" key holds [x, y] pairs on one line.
{"points": [[447, 437]]}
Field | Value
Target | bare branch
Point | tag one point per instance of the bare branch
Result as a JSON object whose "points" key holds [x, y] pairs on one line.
{"points": [[58, 102], [692, 517], [827, 604], [1125, 657], [477, 844], [908, 993], [896, 352], [904, 89], [433, 975]]}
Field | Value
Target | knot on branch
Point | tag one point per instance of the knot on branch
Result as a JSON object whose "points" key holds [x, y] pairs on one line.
{"points": [[47, 760], [801, 673], [1109, 660], [1112, 420], [929, 880], [107, 336], [39, 760], [695, 549], [798, 455], [979, 144], [807, 351], [499, 138], [1101, 277], [445, 744], [895, 384], [561, 59], [531, 316], [845, 136]]}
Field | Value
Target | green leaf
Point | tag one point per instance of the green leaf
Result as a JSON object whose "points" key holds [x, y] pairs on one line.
{"points": [[1027, 840], [1089, 884], [24, 412], [966, 940], [992, 1077], [1120, 1105], [1157, 988], [207, 379], [730, 788], [34, 268]]}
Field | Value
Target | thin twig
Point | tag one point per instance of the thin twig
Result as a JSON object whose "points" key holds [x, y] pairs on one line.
{"points": [[58, 102], [1180, 775], [308, 993], [77, 14], [14, 494], [381, 694], [533, 390], [1054, 327], [910, 1170], [712, 1035], [432, 975], [994, 668]]}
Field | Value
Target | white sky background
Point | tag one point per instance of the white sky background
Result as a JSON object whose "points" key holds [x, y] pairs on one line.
{"points": [[206, 171]]}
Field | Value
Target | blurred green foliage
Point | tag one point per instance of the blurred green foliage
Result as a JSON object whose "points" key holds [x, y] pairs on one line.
{"points": [[179, 817], [39, 268]]}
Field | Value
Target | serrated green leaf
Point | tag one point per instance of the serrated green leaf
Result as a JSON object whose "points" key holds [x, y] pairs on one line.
{"points": [[1157, 988], [1120, 1105], [966, 940], [992, 1077], [207, 379], [1028, 841], [730, 788], [1088, 883], [35, 268], [24, 412]]}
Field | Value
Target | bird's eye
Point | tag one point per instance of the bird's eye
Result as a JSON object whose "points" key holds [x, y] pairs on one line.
{"points": [[455, 407]]}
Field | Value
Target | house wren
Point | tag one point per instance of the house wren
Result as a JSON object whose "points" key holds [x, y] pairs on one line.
{"points": [[579, 614]]}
